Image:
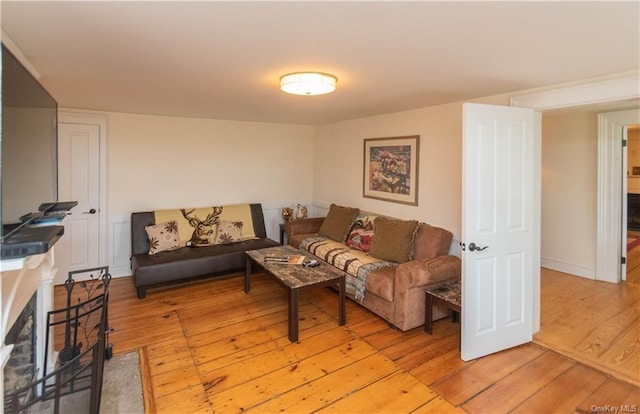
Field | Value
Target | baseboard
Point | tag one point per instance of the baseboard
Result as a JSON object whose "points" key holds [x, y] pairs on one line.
{"points": [[120, 271], [570, 268]]}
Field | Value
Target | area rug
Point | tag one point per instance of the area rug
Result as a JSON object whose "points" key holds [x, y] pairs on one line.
{"points": [[632, 243], [122, 385]]}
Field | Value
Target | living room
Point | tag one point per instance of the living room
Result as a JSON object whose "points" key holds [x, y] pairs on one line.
{"points": [[155, 160]]}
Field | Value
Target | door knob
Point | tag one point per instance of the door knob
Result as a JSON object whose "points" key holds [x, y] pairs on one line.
{"points": [[473, 247], [92, 211]]}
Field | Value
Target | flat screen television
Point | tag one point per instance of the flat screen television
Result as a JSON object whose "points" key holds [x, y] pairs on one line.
{"points": [[28, 162]]}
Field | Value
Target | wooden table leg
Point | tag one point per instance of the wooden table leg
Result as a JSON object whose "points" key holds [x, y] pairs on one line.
{"points": [[293, 315], [247, 276], [428, 309], [343, 300]]}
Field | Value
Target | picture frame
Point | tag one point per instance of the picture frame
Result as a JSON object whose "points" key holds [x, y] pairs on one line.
{"points": [[390, 171]]}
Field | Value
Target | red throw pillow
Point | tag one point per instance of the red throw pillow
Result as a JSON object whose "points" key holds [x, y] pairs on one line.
{"points": [[361, 234]]}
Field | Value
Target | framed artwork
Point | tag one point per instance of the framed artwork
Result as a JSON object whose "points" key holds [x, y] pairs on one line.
{"points": [[391, 169]]}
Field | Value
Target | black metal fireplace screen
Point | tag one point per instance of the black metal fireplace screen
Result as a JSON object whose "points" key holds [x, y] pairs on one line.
{"points": [[78, 333]]}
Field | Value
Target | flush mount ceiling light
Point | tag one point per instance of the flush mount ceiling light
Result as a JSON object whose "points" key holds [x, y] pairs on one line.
{"points": [[308, 83]]}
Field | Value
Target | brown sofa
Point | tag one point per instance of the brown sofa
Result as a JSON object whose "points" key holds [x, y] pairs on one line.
{"points": [[394, 292]]}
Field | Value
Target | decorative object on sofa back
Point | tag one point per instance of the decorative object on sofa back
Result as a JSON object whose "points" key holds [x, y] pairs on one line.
{"points": [[287, 214], [163, 237], [301, 212], [204, 231], [338, 222]]}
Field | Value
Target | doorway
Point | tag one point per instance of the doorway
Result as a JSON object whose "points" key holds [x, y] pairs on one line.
{"points": [[82, 151], [631, 241]]}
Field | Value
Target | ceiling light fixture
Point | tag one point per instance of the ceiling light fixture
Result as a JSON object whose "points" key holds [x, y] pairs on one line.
{"points": [[308, 83]]}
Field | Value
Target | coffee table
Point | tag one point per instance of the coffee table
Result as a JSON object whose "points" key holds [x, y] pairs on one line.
{"points": [[297, 278]]}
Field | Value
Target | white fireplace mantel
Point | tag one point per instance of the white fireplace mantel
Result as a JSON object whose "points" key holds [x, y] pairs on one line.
{"points": [[19, 280]]}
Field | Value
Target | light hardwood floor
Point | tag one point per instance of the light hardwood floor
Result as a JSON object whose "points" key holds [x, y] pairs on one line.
{"points": [[207, 347], [594, 322]]}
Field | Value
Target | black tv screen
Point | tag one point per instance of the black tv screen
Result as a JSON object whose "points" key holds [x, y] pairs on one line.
{"points": [[29, 143]]}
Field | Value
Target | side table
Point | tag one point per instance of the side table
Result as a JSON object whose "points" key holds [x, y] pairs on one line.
{"points": [[446, 294]]}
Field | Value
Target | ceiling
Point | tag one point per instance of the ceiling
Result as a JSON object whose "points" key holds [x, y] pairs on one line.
{"points": [[223, 60]]}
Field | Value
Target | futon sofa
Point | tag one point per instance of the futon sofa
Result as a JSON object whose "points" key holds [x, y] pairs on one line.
{"points": [[173, 245], [388, 262]]}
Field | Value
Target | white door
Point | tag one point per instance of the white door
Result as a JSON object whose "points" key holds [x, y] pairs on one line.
{"points": [[498, 228], [78, 180], [625, 186]]}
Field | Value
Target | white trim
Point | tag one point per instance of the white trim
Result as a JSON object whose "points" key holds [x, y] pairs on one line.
{"points": [[537, 218], [610, 90], [569, 268], [101, 120], [15, 50], [609, 211]]}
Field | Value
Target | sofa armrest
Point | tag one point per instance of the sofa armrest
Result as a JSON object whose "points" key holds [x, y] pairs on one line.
{"points": [[303, 226], [420, 273], [411, 279]]}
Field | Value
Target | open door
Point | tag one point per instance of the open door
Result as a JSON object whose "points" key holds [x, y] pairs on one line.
{"points": [[624, 203], [500, 228]]}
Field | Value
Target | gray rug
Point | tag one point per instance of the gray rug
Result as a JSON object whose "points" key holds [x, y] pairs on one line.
{"points": [[121, 391], [122, 385]]}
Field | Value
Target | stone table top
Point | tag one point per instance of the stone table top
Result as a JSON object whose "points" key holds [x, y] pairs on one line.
{"points": [[449, 292], [294, 275]]}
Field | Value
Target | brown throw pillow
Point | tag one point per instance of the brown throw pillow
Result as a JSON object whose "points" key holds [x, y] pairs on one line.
{"points": [[393, 239], [338, 222]]}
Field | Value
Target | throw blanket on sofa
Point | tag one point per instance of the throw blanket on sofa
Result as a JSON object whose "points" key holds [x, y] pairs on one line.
{"points": [[355, 263], [236, 212]]}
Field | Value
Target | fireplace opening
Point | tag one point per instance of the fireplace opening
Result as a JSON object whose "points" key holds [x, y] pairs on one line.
{"points": [[20, 369], [633, 211]]}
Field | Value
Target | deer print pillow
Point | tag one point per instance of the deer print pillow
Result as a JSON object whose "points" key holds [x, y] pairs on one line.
{"points": [[163, 237], [229, 232]]}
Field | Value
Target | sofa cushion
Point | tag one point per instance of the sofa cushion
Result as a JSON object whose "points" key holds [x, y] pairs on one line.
{"points": [[393, 239], [431, 242], [338, 222], [229, 232], [361, 235], [380, 282], [163, 237]]}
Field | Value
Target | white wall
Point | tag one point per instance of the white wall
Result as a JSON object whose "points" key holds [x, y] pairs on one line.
{"points": [[165, 162], [569, 192], [339, 151], [157, 162]]}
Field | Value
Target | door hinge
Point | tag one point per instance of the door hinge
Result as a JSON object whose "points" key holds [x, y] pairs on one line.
{"points": [[623, 260], [624, 143]]}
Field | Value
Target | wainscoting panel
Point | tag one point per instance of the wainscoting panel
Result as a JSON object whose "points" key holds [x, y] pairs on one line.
{"points": [[120, 246]]}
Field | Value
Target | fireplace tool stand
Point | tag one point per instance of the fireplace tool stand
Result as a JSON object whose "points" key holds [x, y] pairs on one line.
{"points": [[79, 335]]}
